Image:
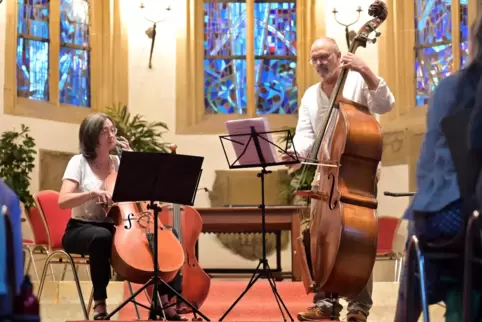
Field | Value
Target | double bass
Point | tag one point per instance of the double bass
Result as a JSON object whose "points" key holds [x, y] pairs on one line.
{"points": [[338, 254], [187, 223], [133, 244]]}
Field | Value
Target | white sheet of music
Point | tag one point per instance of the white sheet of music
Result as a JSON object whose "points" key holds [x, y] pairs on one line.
{"points": [[250, 156]]}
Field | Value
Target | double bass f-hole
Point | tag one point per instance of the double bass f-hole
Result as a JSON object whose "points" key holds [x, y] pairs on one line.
{"points": [[333, 202]]}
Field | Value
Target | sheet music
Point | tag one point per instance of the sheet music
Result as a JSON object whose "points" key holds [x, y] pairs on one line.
{"points": [[250, 156]]}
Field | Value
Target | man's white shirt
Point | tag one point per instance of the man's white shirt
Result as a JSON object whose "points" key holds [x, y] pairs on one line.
{"points": [[315, 103]]}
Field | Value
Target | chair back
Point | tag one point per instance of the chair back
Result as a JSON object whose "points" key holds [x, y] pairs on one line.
{"points": [[387, 228], [54, 217], [37, 225]]}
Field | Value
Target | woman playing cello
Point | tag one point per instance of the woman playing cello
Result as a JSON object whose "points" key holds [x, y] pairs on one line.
{"points": [[90, 231]]}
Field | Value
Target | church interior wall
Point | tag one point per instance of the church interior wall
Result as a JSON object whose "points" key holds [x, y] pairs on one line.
{"points": [[152, 94]]}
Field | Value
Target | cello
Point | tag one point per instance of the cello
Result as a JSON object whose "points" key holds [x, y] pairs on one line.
{"points": [[343, 232], [132, 249], [187, 223]]}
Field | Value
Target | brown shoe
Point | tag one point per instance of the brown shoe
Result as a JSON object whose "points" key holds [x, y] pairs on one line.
{"points": [[356, 316], [315, 313]]}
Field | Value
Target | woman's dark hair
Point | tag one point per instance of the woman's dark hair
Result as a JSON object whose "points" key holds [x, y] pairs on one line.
{"points": [[89, 133]]}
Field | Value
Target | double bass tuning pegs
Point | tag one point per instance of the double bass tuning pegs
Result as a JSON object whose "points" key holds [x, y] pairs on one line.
{"points": [[377, 34]]}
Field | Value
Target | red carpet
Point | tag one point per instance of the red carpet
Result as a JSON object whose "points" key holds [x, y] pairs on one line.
{"points": [[258, 304]]}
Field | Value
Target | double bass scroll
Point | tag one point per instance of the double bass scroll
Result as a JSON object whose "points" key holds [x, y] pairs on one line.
{"points": [[343, 230]]}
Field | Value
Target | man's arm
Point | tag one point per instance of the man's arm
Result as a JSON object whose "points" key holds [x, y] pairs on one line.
{"points": [[304, 135], [379, 98]]}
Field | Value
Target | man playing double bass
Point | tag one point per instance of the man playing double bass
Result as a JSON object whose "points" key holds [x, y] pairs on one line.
{"points": [[361, 86]]}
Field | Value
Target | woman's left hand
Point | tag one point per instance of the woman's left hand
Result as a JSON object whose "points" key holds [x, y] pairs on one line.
{"points": [[124, 143]]}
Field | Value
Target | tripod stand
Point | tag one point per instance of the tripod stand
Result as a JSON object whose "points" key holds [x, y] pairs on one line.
{"points": [[263, 269], [156, 169]]}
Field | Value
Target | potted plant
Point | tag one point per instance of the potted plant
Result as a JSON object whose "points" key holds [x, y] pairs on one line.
{"points": [[297, 180], [17, 157], [142, 136]]}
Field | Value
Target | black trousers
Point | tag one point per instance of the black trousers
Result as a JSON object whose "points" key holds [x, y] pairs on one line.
{"points": [[95, 240]]}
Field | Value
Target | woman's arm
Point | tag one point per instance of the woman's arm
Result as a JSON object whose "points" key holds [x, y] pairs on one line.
{"points": [[69, 198]]}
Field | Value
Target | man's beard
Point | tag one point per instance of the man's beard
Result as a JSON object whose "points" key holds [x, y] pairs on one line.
{"points": [[324, 72]]}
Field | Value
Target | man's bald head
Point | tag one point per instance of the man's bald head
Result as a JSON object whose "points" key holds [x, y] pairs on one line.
{"points": [[325, 57], [325, 43]]}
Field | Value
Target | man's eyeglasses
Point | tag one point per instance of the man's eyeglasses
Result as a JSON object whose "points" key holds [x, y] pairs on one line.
{"points": [[319, 59]]}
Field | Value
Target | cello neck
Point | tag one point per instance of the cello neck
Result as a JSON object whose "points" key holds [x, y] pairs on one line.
{"points": [[176, 209], [176, 219]]}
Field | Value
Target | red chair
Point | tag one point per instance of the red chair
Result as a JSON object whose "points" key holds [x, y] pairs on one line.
{"points": [[55, 220], [387, 229], [39, 244]]}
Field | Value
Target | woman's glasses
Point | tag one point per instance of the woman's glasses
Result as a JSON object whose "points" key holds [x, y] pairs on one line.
{"points": [[106, 130]]}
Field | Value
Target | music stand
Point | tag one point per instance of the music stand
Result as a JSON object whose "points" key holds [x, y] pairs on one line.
{"points": [[253, 146], [156, 176]]}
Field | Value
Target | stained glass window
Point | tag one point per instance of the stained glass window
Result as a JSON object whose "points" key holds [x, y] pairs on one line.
{"points": [[275, 54], [433, 44], [74, 62], [33, 49], [225, 71]]}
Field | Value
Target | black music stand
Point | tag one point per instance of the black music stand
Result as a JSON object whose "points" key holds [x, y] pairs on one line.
{"points": [[155, 176], [254, 140]]}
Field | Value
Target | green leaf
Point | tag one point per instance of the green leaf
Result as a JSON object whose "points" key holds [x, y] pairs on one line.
{"points": [[17, 157], [142, 135]]}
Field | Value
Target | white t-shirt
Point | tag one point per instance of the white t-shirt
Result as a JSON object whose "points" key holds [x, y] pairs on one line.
{"points": [[79, 170]]}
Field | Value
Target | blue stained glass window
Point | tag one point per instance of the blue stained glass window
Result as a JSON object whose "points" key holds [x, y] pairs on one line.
{"points": [[464, 33], [225, 57], [74, 62], [275, 53], [433, 44], [225, 86], [33, 49], [276, 91]]}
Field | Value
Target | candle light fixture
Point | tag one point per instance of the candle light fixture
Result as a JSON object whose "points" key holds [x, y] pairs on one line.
{"points": [[151, 31], [348, 34]]}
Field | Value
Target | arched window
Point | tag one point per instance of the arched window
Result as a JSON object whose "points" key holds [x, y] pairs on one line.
{"points": [[55, 52], [243, 59]]}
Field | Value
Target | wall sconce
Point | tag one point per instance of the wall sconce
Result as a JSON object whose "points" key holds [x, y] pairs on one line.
{"points": [[348, 34], [151, 31]]}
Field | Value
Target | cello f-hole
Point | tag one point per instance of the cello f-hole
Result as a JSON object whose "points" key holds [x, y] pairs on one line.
{"points": [[129, 218]]}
